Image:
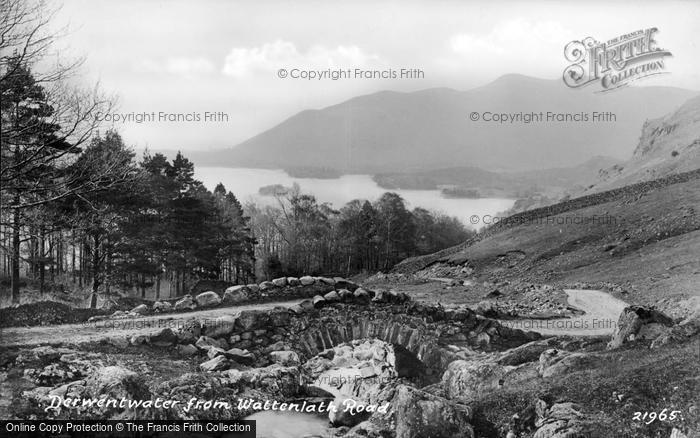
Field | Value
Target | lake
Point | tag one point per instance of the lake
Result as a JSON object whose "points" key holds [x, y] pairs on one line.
{"points": [[245, 183]]}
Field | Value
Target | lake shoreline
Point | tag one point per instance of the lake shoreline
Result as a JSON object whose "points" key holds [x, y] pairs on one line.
{"points": [[245, 183]]}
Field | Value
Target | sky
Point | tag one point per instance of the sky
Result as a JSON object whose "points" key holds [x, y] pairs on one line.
{"points": [[191, 57]]}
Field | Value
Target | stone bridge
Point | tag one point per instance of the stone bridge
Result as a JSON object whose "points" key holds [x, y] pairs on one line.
{"points": [[431, 333]]}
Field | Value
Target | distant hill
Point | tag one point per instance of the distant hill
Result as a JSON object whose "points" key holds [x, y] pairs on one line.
{"points": [[668, 145], [430, 129], [553, 182]]}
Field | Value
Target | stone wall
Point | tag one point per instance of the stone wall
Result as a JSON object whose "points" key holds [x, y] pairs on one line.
{"points": [[279, 289]]}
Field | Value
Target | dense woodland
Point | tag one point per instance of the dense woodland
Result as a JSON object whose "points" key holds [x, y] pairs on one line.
{"points": [[298, 235], [82, 214]]}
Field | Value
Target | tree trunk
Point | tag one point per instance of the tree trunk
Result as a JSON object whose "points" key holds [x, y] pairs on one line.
{"points": [[95, 270], [42, 255], [15, 252]]}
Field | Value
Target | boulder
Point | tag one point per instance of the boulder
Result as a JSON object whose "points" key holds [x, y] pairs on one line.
{"points": [[266, 285], [185, 303], [280, 282], [163, 338], [529, 352], [344, 294], [219, 363], [205, 343], [297, 309], [252, 319], [361, 294], [342, 283], [379, 297], [113, 380], [469, 379], [162, 306], [236, 294], [139, 340], [420, 414], [215, 351], [332, 296], [219, 327], [190, 331], [115, 383], [276, 381], [187, 350], [319, 301], [561, 420], [487, 309], [631, 322], [326, 280], [303, 306], [554, 362], [348, 412], [307, 280], [307, 304], [141, 309], [293, 281], [285, 358], [208, 299], [241, 356], [253, 288]]}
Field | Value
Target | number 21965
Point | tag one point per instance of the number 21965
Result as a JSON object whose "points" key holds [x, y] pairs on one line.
{"points": [[650, 417]]}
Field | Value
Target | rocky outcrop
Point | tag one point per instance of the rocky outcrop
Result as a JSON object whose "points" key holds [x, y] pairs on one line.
{"points": [[420, 414], [561, 420], [469, 379], [667, 146], [639, 323], [554, 362], [115, 382]]}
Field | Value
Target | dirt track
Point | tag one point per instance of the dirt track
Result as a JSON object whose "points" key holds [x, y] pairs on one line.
{"points": [[96, 331], [602, 311]]}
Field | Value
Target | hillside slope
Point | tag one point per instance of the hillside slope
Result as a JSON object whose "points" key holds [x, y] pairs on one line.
{"points": [[640, 242]]}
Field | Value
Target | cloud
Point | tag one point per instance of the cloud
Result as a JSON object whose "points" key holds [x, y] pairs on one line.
{"points": [[512, 35], [182, 66], [241, 62]]}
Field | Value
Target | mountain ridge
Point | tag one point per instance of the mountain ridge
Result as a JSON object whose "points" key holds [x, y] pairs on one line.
{"points": [[427, 129]]}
